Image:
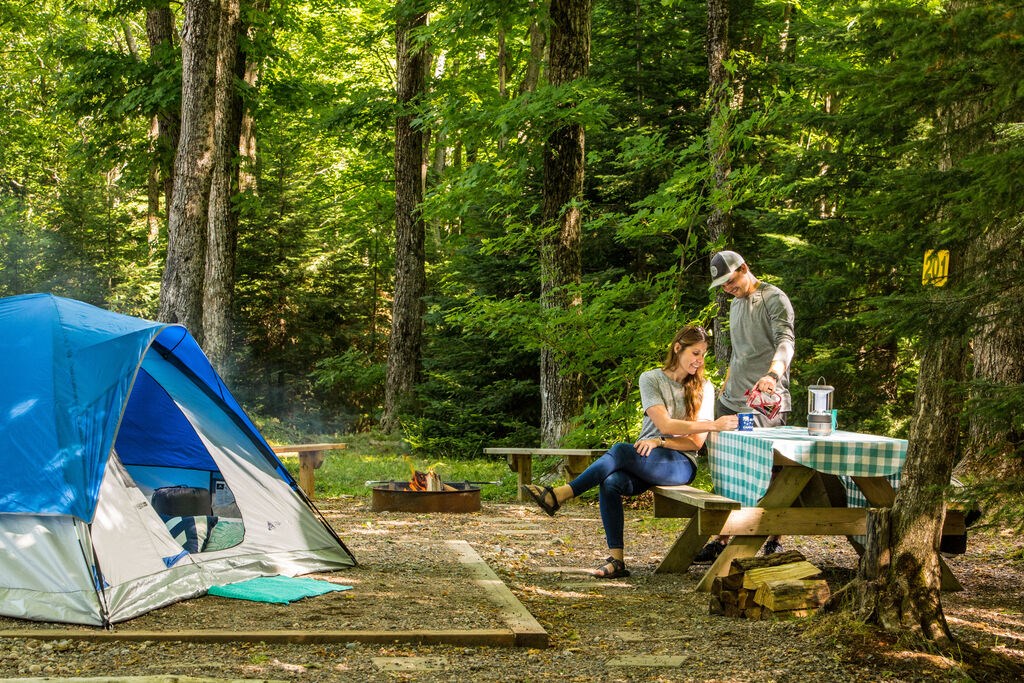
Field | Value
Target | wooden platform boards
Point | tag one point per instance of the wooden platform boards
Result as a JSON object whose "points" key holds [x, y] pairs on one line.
{"points": [[523, 630]]}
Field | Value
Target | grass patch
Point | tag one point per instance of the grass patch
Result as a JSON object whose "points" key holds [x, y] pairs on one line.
{"points": [[376, 457], [373, 457]]}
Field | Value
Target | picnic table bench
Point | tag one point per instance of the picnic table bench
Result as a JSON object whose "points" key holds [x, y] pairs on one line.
{"points": [[755, 503], [520, 461], [311, 458]]}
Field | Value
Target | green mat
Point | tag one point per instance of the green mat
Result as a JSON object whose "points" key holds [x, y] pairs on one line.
{"points": [[278, 589]]}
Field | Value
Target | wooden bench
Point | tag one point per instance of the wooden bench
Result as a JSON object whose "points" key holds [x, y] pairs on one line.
{"points": [[311, 457], [711, 514], [708, 512], [520, 461]]}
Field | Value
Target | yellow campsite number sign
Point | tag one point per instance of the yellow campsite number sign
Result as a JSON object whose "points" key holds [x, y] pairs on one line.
{"points": [[936, 268]]}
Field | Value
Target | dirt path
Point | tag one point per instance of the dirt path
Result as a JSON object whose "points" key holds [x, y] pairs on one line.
{"points": [[645, 628]]}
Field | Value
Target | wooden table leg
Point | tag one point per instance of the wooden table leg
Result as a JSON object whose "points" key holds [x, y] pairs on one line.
{"points": [[309, 462], [522, 465], [784, 488], [680, 556], [575, 464]]}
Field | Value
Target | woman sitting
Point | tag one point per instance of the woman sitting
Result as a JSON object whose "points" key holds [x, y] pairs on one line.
{"points": [[678, 404]]}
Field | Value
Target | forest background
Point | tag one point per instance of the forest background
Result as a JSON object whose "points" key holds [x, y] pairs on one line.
{"points": [[845, 140]]}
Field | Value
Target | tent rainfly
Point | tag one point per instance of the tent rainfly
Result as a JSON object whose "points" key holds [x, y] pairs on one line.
{"points": [[132, 478]]}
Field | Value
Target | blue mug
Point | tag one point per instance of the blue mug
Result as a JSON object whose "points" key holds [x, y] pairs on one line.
{"points": [[746, 422]]}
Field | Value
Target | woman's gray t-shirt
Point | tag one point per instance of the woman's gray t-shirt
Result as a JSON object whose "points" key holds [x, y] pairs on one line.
{"points": [[658, 389]]}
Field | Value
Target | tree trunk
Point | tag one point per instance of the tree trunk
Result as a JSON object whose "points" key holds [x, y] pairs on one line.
{"points": [[181, 290], [538, 44], [405, 346], [222, 229], [898, 584], [247, 164], [502, 80], [719, 218], [995, 447], [560, 254], [166, 125]]}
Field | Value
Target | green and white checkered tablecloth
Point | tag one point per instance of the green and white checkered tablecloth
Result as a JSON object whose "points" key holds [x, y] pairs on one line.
{"points": [[741, 462]]}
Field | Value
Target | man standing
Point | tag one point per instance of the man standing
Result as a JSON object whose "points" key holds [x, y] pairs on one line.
{"points": [[763, 342], [762, 336]]}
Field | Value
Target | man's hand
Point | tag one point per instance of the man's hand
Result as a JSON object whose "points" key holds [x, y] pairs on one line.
{"points": [[766, 385]]}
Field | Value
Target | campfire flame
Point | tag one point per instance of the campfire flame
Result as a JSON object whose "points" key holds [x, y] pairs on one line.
{"points": [[424, 481]]}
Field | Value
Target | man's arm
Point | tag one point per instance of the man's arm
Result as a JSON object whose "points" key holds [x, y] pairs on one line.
{"points": [[782, 319]]}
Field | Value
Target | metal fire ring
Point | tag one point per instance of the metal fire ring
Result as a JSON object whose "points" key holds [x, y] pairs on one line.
{"points": [[396, 496]]}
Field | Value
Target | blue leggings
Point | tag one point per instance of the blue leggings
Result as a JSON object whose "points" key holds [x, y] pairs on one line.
{"points": [[623, 472]]}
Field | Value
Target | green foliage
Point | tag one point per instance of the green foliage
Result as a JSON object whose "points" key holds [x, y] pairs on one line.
{"points": [[355, 383], [847, 161]]}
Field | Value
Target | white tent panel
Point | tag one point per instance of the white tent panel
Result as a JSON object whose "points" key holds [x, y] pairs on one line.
{"points": [[278, 523], [46, 573]]}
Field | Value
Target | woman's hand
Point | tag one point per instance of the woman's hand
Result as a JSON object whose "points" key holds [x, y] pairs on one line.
{"points": [[726, 423], [645, 446]]}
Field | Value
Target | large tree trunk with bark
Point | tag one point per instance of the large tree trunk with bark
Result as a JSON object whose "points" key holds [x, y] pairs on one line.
{"points": [[899, 579], [181, 290], [247, 165], [560, 254], [995, 446], [222, 228], [718, 104], [166, 125], [405, 346]]}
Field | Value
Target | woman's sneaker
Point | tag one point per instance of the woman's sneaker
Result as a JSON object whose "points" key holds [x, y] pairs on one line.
{"points": [[709, 553]]}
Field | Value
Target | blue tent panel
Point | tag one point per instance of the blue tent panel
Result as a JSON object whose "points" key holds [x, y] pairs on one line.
{"points": [[70, 378], [155, 432]]}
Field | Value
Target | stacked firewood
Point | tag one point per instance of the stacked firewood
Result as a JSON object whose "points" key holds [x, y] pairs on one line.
{"points": [[775, 586]]}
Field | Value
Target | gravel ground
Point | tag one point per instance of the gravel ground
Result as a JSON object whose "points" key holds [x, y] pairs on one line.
{"points": [[649, 627]]}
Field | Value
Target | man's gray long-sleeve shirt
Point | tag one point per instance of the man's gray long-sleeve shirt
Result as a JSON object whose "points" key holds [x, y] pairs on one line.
{"points": [[761, 330]]}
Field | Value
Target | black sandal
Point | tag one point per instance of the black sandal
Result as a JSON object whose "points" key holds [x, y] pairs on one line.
{"points": [[618, 569], [540, 497]]}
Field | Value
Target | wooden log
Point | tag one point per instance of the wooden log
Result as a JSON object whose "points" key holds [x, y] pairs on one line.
{"points": [[462, 638], [731, 582], [715, 607], [792, 594], [742, 564], [753, 578], [733, 611], [753, 612]]}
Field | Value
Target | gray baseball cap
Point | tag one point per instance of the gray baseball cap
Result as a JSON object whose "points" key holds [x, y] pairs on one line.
{"points": [[723, 265]]}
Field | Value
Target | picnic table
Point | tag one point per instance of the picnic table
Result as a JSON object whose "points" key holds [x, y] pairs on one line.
{"points": [[821, 485], [311, 458], [520, 461]]}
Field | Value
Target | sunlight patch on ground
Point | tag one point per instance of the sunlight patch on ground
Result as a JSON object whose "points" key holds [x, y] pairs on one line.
{"points": [[996, 623], [275, 664], [397, 522], [560, 593], [937, 661], [368, 532], [674, 661], [410, 663]]}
